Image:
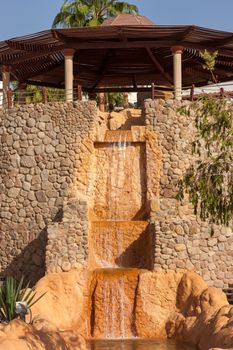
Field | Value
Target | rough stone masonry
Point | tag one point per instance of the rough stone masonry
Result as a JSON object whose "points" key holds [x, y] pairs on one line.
{"points": [[42, 149], [46, 173], [182, 239]]}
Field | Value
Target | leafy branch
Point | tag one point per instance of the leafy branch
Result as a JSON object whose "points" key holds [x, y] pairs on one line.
{"points": [[209, 62], [209, 182]]}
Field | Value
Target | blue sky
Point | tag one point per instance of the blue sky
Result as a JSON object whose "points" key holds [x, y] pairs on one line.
{"points": [[21, 17]]}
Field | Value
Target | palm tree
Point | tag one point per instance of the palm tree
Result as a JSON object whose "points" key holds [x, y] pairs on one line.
{"points": [[83, 13]]}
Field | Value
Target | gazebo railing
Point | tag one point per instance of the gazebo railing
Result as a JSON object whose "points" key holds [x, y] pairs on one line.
{"points": [[43, 95], [222, 93]]}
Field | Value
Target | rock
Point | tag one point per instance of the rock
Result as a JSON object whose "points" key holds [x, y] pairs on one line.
{"points": [[40, 196], [180, 247], [30, 122], [13, 192], [61, 148], [26, 186], [39, 149], [28, 161], [65, 303], [156, 303], [49, 149], [20, 336], [66, 266]]}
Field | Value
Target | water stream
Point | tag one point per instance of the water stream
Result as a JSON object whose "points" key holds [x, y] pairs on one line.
{"points": [[120, 194]]}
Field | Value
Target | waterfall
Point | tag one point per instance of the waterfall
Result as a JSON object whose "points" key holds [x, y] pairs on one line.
{"points": [[119, 159], [114, 309], [115, 325], [120, 193]]}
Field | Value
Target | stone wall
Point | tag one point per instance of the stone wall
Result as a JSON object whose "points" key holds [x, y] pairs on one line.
{"points": [[44, 162], [48, 171], [182, 239]]}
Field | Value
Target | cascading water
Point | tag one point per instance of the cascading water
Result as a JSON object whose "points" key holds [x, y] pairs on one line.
{"points": [[114, 310], [120, 193]]}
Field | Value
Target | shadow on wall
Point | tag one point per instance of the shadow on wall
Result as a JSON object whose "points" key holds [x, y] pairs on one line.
{"points": [[30, 263], [139, 254]]}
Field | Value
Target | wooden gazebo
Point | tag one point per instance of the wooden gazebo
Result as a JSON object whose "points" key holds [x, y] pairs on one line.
{"points": [[127, 53]]}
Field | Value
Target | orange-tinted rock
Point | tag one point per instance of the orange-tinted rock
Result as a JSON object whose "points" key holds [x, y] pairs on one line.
{"points": [[66, 300], [156, 303], [189, 290], [21, 336], [123, 303]]}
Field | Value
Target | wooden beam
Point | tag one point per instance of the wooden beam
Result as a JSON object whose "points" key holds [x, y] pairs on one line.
{"points": [[103, 68], [31, 47], [24, 57], [219, 42], [42, 71], [159, 66], [44, 83], [125, 89], [143, 44], [185, 34]]}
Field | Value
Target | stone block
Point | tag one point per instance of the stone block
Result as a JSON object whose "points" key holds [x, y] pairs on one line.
{"points": [[40, 196], [28, 161]]}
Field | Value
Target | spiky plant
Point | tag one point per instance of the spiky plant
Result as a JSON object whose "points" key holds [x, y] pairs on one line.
{"points": [[12, 292]]}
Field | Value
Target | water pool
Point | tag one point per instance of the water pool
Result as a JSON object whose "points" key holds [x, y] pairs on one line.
{"points": [[137, 344]]}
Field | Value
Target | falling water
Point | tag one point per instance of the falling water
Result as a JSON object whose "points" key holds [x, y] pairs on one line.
{"points": [[115, 327], [114, 311], [119, 164], [119, 181]]}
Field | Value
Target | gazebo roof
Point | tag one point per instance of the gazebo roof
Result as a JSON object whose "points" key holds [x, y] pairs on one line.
{"points": [[127, 19], [117, 54]]}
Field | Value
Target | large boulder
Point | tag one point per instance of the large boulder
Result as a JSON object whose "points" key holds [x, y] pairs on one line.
{"points": [[65, 303]]}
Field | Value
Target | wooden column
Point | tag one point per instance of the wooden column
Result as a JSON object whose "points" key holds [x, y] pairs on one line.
{"points": [[125, 100], [9, 98], [5, 84], [68, 57], [45, 96], [177, 71], [79, 92], [22, 93]]}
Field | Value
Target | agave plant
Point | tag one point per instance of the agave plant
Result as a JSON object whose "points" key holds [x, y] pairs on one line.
{"points": [[13, 298]]}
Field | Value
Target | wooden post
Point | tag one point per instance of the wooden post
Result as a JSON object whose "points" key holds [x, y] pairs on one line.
{"points": [[192, 92], [222, 94], [22, 93], [44, 95], [125, 100], [9, 98], [153, 91], [79, 92]]}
